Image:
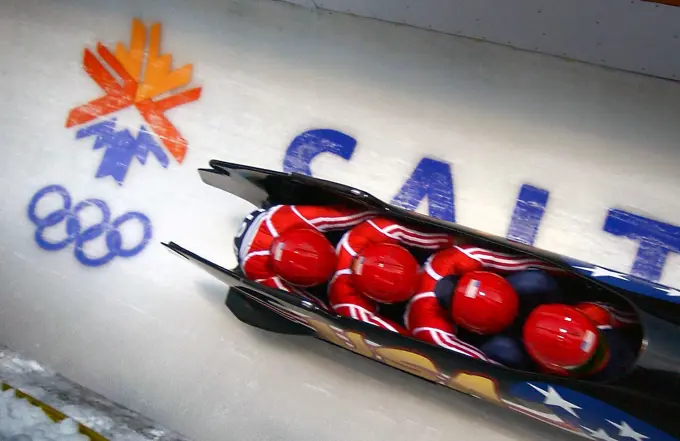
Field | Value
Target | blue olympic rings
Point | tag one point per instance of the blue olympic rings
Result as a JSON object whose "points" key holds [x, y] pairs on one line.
{"points": [[79, 237]]}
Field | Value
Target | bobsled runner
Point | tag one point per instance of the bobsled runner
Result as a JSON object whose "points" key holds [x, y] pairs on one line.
{"points": [[635, 397]]}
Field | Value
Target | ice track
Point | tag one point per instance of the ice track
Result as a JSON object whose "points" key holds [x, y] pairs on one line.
{"points": [[152, 333]]}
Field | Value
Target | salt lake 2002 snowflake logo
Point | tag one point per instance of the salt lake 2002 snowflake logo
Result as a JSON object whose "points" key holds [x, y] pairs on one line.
{"points": [[134, 77]]}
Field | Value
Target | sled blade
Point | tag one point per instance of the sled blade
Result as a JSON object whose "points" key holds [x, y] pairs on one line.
{"points": [[232, 182], [220, 273]]}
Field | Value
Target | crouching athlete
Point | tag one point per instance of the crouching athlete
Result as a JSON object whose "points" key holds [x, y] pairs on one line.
{"points": [[476, 298], [491, 291], [284, 246], [374, 268], [584, 340]]}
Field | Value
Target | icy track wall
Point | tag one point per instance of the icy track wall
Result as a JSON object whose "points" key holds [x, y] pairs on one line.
{"points": [[105, 120], [632, 35], [565, 156], [570, 158]]}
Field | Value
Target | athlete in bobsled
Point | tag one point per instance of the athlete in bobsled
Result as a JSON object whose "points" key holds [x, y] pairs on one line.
{"points": [[585, 340], [496, 296], [285, 247], [375, 268], [461, 287]]}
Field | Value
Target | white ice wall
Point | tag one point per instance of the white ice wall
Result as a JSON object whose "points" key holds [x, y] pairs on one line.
{"points": [[635, 35], [151, 332]]}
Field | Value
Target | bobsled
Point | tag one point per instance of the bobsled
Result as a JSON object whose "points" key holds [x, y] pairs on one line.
{"points": [[639, 401]]}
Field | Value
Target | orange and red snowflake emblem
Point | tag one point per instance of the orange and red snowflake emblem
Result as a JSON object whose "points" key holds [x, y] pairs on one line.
{"points": [[139, 77]]}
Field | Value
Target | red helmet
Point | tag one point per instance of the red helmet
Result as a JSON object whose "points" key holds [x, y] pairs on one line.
{"points": [[563, 340], [303, 257], [386, 273], [484, 303], [597, 313]]}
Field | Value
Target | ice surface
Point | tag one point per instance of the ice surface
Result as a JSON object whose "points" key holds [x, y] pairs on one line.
{"points": [[99, 414], [22, 421], [152, 332]]}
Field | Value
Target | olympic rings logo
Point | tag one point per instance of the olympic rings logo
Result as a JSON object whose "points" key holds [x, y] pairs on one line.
{"points": [[79, 237]]}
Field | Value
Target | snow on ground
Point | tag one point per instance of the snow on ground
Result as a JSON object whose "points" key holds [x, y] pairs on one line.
{"points": [[22, 421]]}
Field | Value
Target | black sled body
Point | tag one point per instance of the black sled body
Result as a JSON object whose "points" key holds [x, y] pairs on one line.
{"points": [[642, 402]]}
